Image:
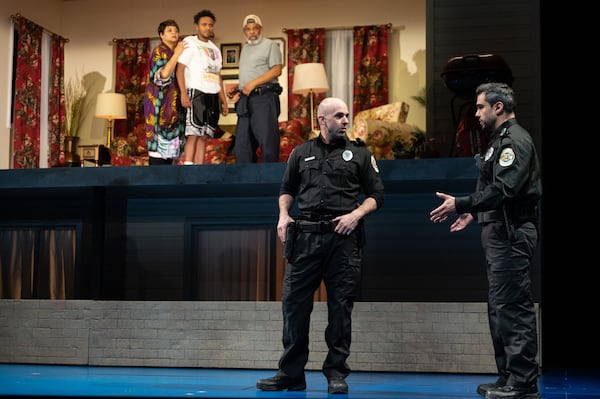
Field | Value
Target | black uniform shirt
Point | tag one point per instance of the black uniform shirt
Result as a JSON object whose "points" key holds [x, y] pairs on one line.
{"points": [[328, 178], [509, 174]]}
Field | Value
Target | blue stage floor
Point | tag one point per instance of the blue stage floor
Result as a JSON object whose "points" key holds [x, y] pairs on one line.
{"points": [[48, 381]]}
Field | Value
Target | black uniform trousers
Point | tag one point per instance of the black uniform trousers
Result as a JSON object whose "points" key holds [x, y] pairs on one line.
{"points": [[334, 259], [257, 126], [511, 311]]}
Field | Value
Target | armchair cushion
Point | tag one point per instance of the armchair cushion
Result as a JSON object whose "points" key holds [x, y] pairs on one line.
{"points": [[291, 133], [217, 150], [393, 112], [387, 140], [385, 131]]}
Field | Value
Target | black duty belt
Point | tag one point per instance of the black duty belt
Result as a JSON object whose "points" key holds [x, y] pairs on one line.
{"points": [[316, 216], [266, 88], [498, 215], [489, 216], [322, 227]]}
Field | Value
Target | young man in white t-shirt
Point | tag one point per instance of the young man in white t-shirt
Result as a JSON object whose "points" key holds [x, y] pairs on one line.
{"points": [[201, 85]]}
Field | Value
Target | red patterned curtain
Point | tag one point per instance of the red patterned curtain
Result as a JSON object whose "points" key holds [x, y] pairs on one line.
{"points": [[56, 100], [370, 66], [29, 66], [28, 77], [304, 45], [132, 69]]}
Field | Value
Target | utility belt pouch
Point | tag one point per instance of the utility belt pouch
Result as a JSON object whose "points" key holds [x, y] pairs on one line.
{"points": [[275, 88], [290, 240]]}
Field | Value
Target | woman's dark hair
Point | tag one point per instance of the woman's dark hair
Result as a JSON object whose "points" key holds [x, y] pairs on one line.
{"points": [[163, 25], [204, 13]]}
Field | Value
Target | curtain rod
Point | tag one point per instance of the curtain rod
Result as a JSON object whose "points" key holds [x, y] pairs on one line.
{"points": [[17, 16], [389, 25], [115, 39]]}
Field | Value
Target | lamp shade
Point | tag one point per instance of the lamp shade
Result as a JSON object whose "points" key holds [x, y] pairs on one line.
{"points": [[111, 106], [310, 77]]}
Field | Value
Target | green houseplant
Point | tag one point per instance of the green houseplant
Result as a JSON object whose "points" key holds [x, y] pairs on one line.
{"points": [[75, 95]]}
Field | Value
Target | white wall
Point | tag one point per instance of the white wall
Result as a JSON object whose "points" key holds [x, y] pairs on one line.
{"points": [[90, 26]]}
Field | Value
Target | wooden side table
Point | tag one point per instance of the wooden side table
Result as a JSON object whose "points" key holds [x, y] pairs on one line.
{"points": [[97, 154]]}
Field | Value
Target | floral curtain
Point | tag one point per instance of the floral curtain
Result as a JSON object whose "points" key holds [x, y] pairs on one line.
{"points": [[304, 45], [56, 101], [28, 78], [29, 66], [370, 66], [132, 69]]}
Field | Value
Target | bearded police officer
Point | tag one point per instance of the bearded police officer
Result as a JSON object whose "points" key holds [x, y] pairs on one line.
{"points": [[505, 203], [327, 174]]}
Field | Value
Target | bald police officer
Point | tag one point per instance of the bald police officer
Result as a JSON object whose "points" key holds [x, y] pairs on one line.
{"points": [[324, 243]]}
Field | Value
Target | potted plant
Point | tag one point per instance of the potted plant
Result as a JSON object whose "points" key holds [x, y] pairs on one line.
{"points": [[75, 95]]}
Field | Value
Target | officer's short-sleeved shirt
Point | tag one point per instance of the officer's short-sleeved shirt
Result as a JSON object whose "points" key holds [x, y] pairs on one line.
{"points": [[329, 179]]}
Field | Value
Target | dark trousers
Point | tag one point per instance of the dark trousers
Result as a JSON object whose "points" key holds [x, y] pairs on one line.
{"points": [[258, 128], [336, 260], [511, 311]]}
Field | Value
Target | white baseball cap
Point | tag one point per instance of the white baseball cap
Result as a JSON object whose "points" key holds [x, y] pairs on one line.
{"points": [[252, 19]]}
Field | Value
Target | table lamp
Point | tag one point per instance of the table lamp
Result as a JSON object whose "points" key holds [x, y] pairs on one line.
{"points": [[310, 78], [110, 106]]}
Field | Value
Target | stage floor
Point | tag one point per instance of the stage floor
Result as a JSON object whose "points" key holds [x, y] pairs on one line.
{"points": [[49, 381]]}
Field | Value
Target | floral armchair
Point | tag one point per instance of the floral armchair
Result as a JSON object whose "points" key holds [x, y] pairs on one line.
{"points": [[291, 133], [219, 151], [385, 131]]}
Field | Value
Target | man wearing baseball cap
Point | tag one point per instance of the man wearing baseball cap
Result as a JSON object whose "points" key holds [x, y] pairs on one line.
{"points": [[257, 101], [251, 19]]}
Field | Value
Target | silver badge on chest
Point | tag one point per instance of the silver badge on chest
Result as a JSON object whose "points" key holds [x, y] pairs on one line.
{"points": [[347, 155]]}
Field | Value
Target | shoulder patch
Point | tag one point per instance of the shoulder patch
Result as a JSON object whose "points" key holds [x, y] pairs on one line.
{"points": [[374, 164], [507, 157]]}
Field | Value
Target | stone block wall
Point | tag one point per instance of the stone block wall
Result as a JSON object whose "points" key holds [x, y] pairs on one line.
{"points": [[387, 336]]}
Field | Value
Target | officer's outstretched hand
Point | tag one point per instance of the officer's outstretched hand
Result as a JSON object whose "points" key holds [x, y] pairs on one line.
{"points": [[442, 212], [461, 222]]}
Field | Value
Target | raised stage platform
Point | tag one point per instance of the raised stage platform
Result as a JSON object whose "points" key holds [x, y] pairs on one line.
{"points": [[121, 213]]}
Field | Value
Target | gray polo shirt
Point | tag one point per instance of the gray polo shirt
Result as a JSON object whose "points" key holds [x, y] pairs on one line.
{"points": [[257, 59]]}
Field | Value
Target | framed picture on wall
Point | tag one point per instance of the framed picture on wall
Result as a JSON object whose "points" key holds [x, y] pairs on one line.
{"points": [[280, 41], [231, 55], [230, 82]]}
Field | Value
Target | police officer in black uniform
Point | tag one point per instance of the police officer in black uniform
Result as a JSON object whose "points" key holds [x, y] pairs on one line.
{"points": [[505, 203], [327, 174]]}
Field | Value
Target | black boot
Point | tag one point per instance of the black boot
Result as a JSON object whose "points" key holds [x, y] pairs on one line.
{"points": [[280, 383], [482, 389], [510, 392], [337, 385]]}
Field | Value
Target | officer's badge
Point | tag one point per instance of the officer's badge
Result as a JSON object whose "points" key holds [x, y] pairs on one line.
{"points": [[507, 156], [488, 154], [347, 155], [374, 164]]}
